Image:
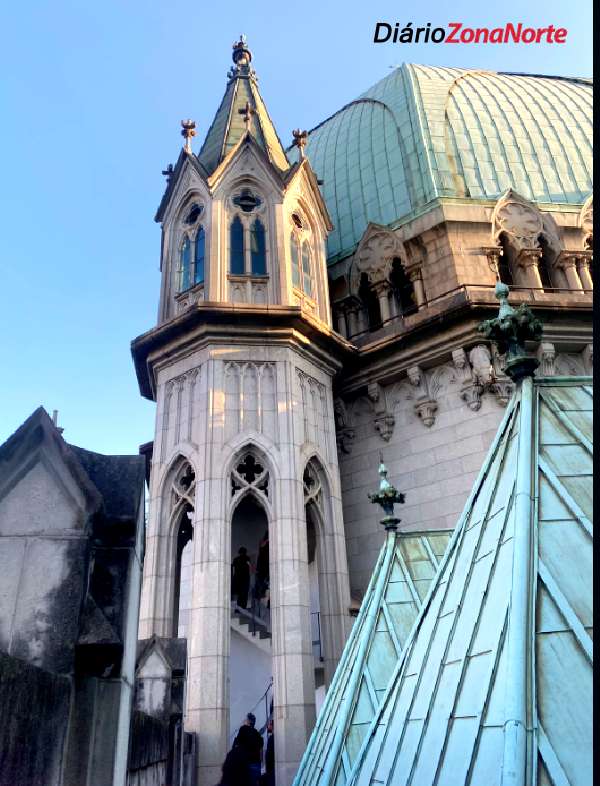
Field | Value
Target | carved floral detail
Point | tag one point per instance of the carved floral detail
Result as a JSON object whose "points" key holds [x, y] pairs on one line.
{"points": [[384, 420], [344, 429], [518, 220]]}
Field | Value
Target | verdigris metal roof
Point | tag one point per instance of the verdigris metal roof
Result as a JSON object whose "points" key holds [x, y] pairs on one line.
{"points": [[494, 684], [424, 132], [406, 565]]}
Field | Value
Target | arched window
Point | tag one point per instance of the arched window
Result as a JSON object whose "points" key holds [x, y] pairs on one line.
{"points": [[185, 265], [236, 240], [199, 257], [544, 263], [300, 254], [403, 287], [258, 256], [504, 269], [369, 298]]}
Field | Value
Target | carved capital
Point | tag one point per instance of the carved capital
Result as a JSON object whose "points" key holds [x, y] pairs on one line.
{"points": [[529, 257]]}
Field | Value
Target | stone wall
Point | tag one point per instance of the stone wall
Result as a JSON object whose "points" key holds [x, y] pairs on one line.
{"points": [[24, 688]]}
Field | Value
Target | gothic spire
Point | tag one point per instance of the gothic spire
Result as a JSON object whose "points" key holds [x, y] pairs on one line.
{"points": [[242, 111]]}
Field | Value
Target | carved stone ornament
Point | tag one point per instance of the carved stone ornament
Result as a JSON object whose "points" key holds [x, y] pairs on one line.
{"points": [[586, 222], [470, 389], [481, 361], [547, 356], [384, 421], [518, 220], [502, 390], [374, 256], [588, 358], [425, 405], [344, 432]]}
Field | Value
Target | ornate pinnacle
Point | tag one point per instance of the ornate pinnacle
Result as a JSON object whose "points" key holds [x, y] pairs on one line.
{"points": [[188, 130], [247, 113], [387, 497], [300, 139], [510, 330]]}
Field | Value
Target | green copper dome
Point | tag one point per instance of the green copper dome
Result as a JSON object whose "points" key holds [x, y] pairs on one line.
{"points": [[422, 133]]}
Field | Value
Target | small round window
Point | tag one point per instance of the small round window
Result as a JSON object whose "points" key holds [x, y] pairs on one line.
{"points": [[247, 201], [194, 214]]}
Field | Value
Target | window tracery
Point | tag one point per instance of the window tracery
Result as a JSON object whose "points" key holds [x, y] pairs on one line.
{"points": [[249, 472], [192, 249], [247, 234], [301, 257]]}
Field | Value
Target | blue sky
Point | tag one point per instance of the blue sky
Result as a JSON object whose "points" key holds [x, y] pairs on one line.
{"points": [[92, 96]]}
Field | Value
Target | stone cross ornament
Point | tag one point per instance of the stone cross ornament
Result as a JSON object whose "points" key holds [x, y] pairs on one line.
{"points": [[246, 114], [510, 330], [387, 497]]}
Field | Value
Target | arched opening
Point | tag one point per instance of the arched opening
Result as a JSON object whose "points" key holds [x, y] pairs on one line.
{"points": [[250, 662], [544, 266], [403, 288], [236, 247], [182, 595], [199, 261], [258, 252], [504, 268], [370, 301]]}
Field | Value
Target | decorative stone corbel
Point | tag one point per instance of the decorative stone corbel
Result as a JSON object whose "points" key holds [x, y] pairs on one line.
{"points": [[588, 359], [481, 361], [470, 389], [344, 432], [384, 420], [546, 354], [425, 406]]}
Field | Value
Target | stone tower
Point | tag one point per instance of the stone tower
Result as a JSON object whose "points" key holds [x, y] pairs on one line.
{"points": [[241, 365]]}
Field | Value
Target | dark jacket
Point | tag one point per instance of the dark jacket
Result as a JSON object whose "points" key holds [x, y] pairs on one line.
{"points": [[251, 742], [236, 771]]}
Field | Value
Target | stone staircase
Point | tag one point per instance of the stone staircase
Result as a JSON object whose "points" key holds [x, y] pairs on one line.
{"points": [[252, 628]]}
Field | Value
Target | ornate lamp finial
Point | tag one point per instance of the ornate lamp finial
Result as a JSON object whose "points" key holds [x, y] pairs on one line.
{"points": [[387, 497], [300, 139], [247, 113], [510, 330], [188, 130]]}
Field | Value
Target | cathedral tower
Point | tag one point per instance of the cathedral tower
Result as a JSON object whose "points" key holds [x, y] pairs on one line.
{"points": [[241, 365]]}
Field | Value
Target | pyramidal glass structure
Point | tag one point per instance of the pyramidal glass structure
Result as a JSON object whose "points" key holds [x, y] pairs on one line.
{"points": [[493, 683]]}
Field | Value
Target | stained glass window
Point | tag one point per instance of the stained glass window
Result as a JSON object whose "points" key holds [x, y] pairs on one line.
{"points": [[257, 248], [185, 264], [199, 263], [236, 246]]}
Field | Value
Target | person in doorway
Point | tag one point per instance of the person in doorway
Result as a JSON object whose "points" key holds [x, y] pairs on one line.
{"points": [[251, 742], [240, 579], [236, 769], [262, 567], [268, 778]]}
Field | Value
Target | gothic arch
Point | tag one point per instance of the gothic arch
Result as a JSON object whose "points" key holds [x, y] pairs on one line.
{"points": [[249, 473]]}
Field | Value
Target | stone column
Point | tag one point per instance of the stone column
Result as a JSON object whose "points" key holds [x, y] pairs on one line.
{"points": [[417, 282], [207, 689], [340, 316], [583, 269], [381, 289], [393, 304], [528, 260], [293, 665], [568, 262], [352, 321]]}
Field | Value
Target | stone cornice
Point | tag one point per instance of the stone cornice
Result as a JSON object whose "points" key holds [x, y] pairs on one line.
{"points": [[208, 323]]}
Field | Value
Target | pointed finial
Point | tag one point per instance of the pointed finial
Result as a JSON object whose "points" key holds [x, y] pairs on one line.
{"points": [[241, 55], [387, 497], [247, 113], [510, 330], [188, 130], [55, 421], [300, 139]]}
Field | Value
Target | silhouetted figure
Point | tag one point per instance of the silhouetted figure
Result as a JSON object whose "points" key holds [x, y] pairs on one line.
{"points": [[262, 567], [240, 580], [236, 769], [251, 742], [268, 778]]}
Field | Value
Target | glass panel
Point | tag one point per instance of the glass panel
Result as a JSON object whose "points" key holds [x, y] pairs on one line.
{"points": [[295, 264], [306, 277], [186, 258], [236, 246], [199, 267], [257, 248]]}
